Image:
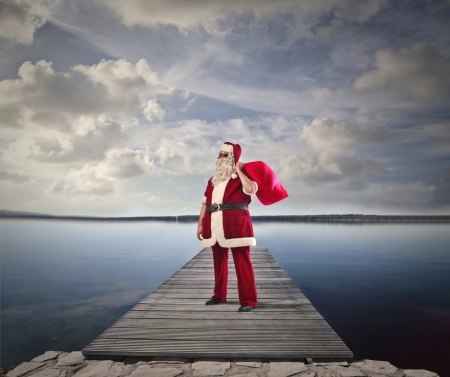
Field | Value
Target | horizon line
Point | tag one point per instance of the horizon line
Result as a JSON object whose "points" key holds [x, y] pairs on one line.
{"points": [[9, 214]]}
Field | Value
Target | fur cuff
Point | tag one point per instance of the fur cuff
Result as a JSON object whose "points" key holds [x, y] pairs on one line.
{"points": [[245, 192], [244, 241]]}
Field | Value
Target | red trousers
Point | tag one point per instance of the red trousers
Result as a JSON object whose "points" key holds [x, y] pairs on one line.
{"points": [[244, 273]]}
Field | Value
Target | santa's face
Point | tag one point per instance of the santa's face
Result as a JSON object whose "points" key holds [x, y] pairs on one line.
{"points": [[224, 167]]}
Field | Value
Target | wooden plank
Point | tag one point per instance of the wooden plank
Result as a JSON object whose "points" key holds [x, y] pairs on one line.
{"points": [[215, 323], [259, 284], [232, 294], [255, 315], [173, 321], [222, 308]]}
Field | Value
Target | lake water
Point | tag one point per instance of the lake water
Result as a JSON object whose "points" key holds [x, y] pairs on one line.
{"points": [[384, 288]]}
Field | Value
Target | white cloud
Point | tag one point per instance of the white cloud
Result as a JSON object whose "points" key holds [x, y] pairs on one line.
{"points": [[72, 117], [210, 14], [419, 73], [328, 136], [120, 75], [43, 97], [19, 19], [153, 111], [330, 153], [89, 140], [79, 120], [119, 165], [307, 168]]}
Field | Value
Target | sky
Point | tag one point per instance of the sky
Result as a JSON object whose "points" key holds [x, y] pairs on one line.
{"points": [[119, 108]]}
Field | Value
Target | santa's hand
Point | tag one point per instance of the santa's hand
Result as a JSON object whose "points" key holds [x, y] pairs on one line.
{"points": [[240, 165], [199, 232]]}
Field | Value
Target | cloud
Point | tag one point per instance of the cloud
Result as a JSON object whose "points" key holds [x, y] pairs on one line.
{"points": [[307, 169], [331, 154], [90, 138], [19, 19], [119, 165], [77, 116], [329, 136], [14, 176], [419, 73], [153, 111], [212, 15], [80, 121], [43, 97], [313, 169]]}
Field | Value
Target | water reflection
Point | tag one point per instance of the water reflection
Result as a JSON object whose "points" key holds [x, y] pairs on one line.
{"points": [[385, 288]]}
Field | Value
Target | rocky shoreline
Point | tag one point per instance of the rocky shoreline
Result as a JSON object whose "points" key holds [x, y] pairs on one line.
{"points": [[68, 364]]}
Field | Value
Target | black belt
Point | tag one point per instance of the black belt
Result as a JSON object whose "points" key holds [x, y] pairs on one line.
{"points": [[217, 207]]}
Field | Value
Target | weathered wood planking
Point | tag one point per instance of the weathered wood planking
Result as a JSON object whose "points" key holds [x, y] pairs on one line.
{"points": [[173, 321]]}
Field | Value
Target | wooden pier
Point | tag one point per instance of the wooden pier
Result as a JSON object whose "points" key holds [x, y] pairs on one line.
{"points": [[173, 321]]}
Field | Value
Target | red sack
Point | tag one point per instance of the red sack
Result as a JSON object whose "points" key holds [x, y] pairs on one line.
{"points": [[270, 189]]}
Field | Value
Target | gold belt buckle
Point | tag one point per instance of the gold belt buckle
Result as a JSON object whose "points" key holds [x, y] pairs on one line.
{"points": [[218, 207]]}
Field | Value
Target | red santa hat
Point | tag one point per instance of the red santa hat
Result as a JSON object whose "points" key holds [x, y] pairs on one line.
{"points": [[232, 148]]}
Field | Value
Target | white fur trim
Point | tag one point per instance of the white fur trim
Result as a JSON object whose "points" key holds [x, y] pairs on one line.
{"points": [[234, 175], [208, 242], [243, 189], [227, 148], [217, 233], [204, 200], [244, 241]]}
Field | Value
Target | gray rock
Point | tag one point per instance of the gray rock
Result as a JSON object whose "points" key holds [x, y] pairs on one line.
{"points": [[419, 373], [251, 364], [132, 360], [72, 359], [63, 354], [148, 371], [306, 374], [251, 374], [169, 360], [328, 374], [210, 368], [285, 368], [24, 368], [49, 355], [107, 368], [345, 371], [322, 371], [50, 372], [375, 367]]}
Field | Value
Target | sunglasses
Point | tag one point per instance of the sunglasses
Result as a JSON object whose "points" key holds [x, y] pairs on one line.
{"points": [[223, 155]]}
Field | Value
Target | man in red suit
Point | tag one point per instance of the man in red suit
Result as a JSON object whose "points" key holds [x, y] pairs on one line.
{"points": [[225, 223]]}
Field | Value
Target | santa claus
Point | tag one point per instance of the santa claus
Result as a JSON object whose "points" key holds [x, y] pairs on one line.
{"points": [[225, 223]]}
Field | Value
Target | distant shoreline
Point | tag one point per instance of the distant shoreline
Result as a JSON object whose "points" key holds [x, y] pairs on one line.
{"points": [[350, 218]]}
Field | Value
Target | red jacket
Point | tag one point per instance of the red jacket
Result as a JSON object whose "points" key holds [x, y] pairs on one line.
{"points": [[230, 228]]}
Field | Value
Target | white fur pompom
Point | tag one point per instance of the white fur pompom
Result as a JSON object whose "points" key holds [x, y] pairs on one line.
{"points": [[234, 175]]}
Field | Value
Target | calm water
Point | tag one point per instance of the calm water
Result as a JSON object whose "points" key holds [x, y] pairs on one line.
{"points": [[384, 288]]}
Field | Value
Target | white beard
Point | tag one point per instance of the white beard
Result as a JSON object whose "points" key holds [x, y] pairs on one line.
{"points": [[224, 169]]}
